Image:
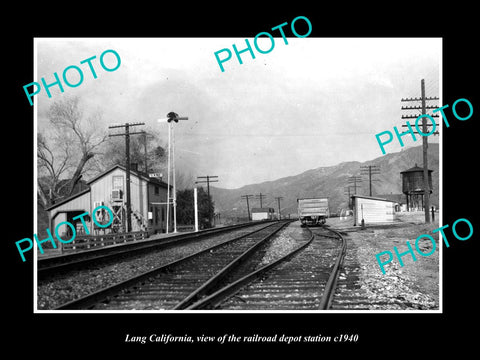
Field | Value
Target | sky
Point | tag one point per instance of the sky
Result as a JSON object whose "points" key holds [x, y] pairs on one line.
{"points": [[314, 102]]}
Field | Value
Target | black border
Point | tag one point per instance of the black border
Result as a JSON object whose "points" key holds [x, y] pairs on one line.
{"points": [[84, 333]]}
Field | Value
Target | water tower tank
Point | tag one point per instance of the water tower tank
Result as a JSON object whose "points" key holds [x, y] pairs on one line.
{"points": [[412, 180]]}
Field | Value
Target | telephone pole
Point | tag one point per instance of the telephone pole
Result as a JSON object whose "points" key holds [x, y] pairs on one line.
{"points": [[370, 170], [248, 206], [208, 180], [349, 199], [278, 198], [354, 180], [145, 154], [260, 197], [127, 134], [423, 107]]}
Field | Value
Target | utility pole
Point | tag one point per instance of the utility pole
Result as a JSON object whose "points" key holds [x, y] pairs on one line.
{"points": [[278, 199], [260, 197], [208, 180], [248, 206], [127, 134], [370, 170], [349, 199], [145, 135], [423, 107], [354, 180]]}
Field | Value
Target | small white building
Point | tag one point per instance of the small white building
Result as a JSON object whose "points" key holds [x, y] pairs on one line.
{"points": [[262, 213], [372, 210]]}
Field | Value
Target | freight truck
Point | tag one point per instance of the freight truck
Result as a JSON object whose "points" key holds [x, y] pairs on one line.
{"points": [[313, 211]]}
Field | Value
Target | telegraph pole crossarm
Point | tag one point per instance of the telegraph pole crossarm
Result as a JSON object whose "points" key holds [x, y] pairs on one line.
{"points": [[423, 107], [370, 170], [354, 180], [260, 197]]}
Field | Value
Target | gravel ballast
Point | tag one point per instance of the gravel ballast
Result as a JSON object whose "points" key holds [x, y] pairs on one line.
{"points": [[76, 284], [415, 286]]}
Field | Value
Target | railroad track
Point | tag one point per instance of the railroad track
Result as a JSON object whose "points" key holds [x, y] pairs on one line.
{"points": [[62, 264], [306, 282], [217, 278], [180, 283]]}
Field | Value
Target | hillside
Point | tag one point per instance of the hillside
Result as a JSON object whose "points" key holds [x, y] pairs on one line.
{"points": [[330, 182]]}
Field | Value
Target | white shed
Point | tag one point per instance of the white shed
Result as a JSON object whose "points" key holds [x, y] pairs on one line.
{"points": [[372, 210]]}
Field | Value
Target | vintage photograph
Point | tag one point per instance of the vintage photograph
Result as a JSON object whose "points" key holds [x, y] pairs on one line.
{"points": [[305, 178]]}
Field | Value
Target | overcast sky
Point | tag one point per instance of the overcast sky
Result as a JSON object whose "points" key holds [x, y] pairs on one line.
{"points": [[314, 102]]}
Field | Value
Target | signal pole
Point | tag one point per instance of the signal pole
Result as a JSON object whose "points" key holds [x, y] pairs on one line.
{"points": [[278, 199], [423, 107], [171, 117], [248, 206], [127, 134], [370, 170], [208, 181]]}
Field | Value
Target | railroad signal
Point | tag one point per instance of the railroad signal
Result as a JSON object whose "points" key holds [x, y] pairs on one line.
{"points": [[171, 116]]}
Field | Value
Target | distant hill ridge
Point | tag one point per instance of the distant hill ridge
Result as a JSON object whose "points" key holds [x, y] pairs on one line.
{"points": [[330, 182]]}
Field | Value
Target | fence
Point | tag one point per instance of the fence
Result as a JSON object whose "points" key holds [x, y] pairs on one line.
{"points": [[95, 241]]}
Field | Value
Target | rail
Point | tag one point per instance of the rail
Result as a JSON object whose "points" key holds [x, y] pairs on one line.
{"points": [[75, 259], [217, 297], [329, 291], [214, 290], [214, 299], [90, 300]]}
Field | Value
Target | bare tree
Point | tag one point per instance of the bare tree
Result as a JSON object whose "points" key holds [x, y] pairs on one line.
{"points": [[114, 152], [56, 162], [73, 140]]}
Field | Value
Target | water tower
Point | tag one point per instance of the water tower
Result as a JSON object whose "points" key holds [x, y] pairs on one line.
{"points": [[413, 186]]}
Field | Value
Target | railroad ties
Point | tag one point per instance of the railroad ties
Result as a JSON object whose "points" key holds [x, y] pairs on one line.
{"points": [[278, 266], [298, 284]]}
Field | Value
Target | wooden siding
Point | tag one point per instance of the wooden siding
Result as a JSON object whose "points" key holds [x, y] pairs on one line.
{"points": [[373, 210], [142, 194], [58, 214], [158, 222], [101, 191]]}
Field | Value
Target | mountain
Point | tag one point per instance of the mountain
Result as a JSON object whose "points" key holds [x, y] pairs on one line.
{"points": [[329, 182]]}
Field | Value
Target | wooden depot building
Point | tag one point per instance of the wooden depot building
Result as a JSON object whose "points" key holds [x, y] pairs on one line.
{"points": [[148, 198]]}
